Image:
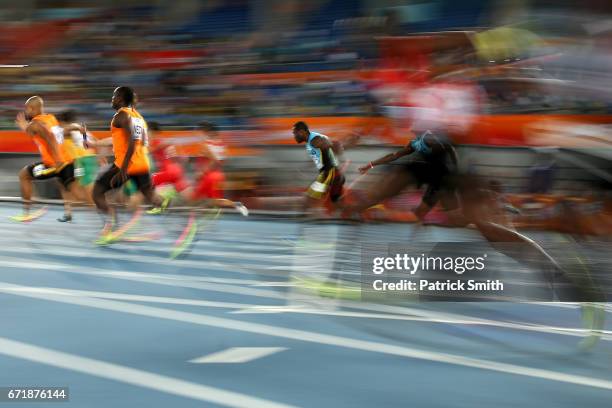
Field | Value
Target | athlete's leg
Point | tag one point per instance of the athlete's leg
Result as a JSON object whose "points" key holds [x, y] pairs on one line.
{"points": [[68, 199], [446, 194], [145, 185], [69, 188], [72, 184], [161, 178], [25, 183], [175, 184], [422, 210], [102, 185], [209, 192], [90, 169], [480, 209], [389, 185]]}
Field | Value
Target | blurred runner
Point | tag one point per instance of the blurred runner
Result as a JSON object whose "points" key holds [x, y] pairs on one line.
{"points": [[86, 161], [330, 181], [169, 172], [432, 161], [129, 137], [209, 185], [56, 157]]}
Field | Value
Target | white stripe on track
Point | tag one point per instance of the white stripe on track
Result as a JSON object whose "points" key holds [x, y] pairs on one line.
{"points": [[184, 281], [128, 375], [319, 338]]}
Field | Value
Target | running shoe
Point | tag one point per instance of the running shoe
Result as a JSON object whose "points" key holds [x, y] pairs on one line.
{"points": [[242, 209], [30, 216]]}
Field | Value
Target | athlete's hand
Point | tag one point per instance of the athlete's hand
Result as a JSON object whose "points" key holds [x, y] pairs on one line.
{"points": [[365, 169], [86, 143], [21, 121]]}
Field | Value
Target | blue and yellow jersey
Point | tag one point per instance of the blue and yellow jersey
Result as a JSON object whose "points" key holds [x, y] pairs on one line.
{"points": [[315, 153]]}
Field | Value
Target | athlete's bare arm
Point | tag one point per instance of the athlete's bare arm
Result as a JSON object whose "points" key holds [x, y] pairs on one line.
{"points": [[93, 142], [72, 127], [406, 150], [324, 145], [21, 121], [34, 129], [351, 140], [339, 146]]}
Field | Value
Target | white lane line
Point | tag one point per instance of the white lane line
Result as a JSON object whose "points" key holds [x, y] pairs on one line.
{"points": [[274, 284], [243, 308], [428, 316], [318, 338], [80, 253], [605, 335], [238, 355], [83, 231], [128, 375], [134, 298], [567, 305], [311, 269], [268, 310], [159, 250], [433, 316], [185, 281]]}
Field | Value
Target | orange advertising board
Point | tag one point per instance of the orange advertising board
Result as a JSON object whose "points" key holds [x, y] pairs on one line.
{"points": [[493, 130]]}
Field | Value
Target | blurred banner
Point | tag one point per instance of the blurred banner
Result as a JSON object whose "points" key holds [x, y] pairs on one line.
{"points": [[488, 130]]}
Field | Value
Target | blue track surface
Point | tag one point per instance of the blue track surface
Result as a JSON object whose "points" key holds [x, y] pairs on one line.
{"points": [[119, 325]]}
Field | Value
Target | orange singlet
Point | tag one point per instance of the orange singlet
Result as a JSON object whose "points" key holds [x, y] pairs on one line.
{"points": [[139, 163], [50, 122]]}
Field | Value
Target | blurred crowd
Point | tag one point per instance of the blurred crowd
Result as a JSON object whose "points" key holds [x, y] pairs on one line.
{"points": [[229, 61], [183, 68], [237, 63]]}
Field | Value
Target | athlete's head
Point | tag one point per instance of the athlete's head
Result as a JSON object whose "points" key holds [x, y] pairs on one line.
{"points": [[34, 106], [209, 130], [123, 96], [300, 132]]}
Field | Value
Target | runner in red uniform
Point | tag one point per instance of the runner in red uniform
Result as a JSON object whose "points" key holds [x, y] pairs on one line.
{"points": [[169, 171], [209, 187]]}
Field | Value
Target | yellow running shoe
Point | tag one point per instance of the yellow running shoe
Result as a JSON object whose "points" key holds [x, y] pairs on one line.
{"points": [[29, 217]]}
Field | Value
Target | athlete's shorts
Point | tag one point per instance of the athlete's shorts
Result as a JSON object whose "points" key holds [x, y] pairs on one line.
{"points": [[65, 174], [171, 173], [210, 185], [439, 180], [105, 178], [85, 170], [444, 192], [328, 183]]}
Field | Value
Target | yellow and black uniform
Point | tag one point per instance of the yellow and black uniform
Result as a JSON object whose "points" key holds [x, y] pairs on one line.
{"points": [[85, 159], [138, 169], [47, 168], [330, 181]]}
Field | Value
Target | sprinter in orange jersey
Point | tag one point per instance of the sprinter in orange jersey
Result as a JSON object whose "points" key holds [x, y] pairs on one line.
{"points": [[129, 135], [56, 156]]}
